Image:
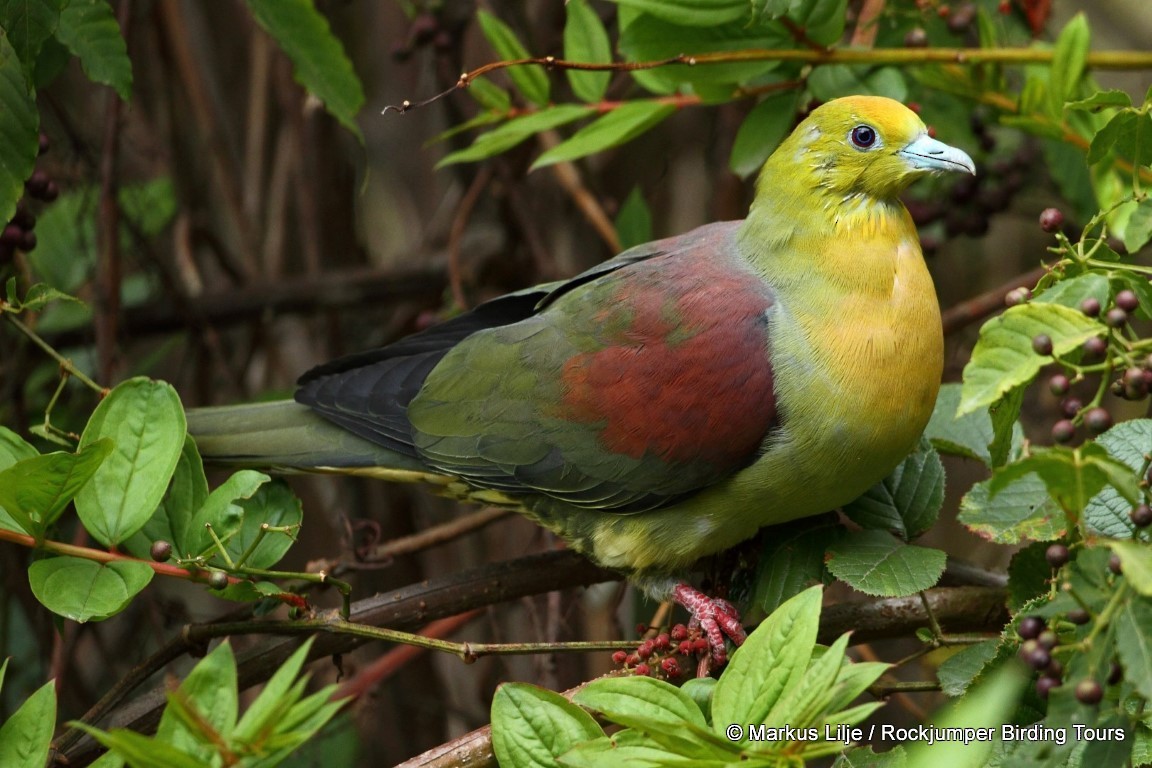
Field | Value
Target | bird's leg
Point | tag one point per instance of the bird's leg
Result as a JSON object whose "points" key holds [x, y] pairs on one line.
{"points": [[716, 618]]}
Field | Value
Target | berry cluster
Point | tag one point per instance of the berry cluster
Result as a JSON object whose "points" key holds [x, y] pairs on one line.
{"points": [[1036, 650], [665, 654], [1134, 381], [17, 234]]}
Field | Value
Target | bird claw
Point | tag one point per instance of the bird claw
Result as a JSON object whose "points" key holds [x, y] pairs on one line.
{"points": [[716, 618]]}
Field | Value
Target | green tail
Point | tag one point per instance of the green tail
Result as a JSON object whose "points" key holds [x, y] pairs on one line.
{"points": [[285, 435]]}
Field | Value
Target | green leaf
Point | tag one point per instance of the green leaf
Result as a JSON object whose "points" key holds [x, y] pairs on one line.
{"points": [[625, 748], [490, 96], [989, 705], [961, 668], [634, 221], [617, 127], [210, 690], [186, 494], [35, 491], [26, 736], [864, 757], [1073, 291], [821, 20], [875, 563], [761, 132], [831, 81], [274, 505], [692, 13], [1028, 574], [1004, 359], [220, 512], [791, 560], [40, 295], [1127, 442], [1128, 134], [650, 38], [529, 79], [968, 435], [1136, 564], [1101, 100], [1072, 475], [1133, 644], [88, 28], [620, 697], [1138, 231], [1067, 63], [145, 420], [318, 59], [532, 726], [515, 131], [274, 700], [700, 690], [28, 23], [84, 590], [13, 448], [141, 751], [1007, 434], [19, 128], [586, 40], [770, 662], [1020, 510], [907, 502]]}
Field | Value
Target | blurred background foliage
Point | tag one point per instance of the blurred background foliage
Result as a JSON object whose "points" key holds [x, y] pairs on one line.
{"points": [[227, 232]]}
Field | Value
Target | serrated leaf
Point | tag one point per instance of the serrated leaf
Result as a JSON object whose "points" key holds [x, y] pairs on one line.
{"points": [[319, 62], [770, 662], [26, 736], [35, 491], [1101, 100], [88, 28], [761, 132], [907, 502], [1072, 475], [515, 131], [961, 668], [1028, 575], [876, 563], [532, 726], [634, 221], [19, 129], [1004, 359], [1134, 643], [530, 80], [619, 126], [145, 421], [1135, 563], [1020, 510], [586, 40], [1127, 442], [791, 560], [1068, 59], [85, 590], [1073, 291], [1006, 431]]}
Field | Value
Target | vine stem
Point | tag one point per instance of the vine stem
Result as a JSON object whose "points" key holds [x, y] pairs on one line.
{"points": [[64, 362]]}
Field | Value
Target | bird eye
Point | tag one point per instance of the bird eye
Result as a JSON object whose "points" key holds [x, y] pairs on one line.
{"points": [[863, 136]]}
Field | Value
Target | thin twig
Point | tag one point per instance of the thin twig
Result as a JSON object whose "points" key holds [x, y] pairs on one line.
{"points": [[436, 535], [456, 233]]}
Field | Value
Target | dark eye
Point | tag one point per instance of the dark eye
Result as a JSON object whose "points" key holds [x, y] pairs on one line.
{"points": [[863, 136]]}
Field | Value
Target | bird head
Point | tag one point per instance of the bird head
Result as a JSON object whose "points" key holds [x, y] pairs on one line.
{"points": [[864, 145]]}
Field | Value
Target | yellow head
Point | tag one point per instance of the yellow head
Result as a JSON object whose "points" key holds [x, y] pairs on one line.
{"points": [[863, 145]]}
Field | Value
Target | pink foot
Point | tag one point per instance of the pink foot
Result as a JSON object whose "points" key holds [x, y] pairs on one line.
{"points": [[715, 618]]}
